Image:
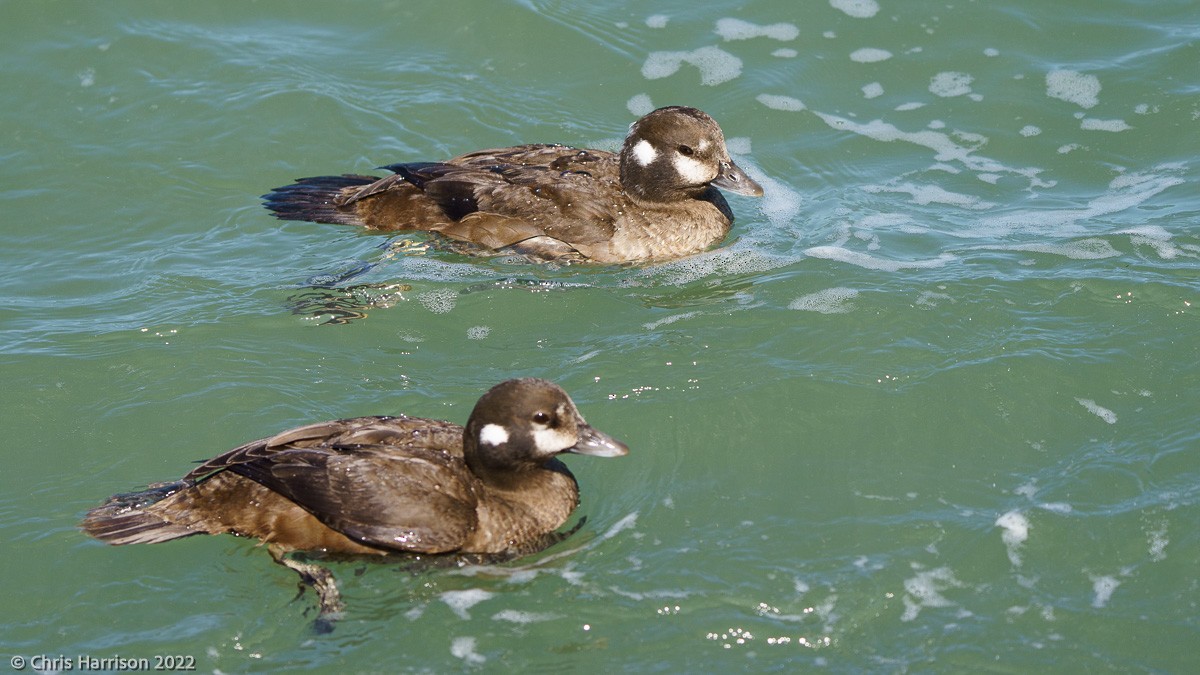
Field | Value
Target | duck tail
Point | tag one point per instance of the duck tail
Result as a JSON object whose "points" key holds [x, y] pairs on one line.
{"points": [[313, 199], [128, 519]]}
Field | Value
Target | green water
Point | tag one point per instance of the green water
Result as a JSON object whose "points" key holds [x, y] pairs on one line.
{"points": [[932, 407]]}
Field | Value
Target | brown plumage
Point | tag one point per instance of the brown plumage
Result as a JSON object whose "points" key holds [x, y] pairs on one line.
{"points": [[381, 486], [657, 199]]}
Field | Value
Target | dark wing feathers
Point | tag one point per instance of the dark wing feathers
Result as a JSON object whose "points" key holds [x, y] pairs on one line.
{"points": [[414, 502], [320, 433], [553, 210], [557, 199], [393, 482]]}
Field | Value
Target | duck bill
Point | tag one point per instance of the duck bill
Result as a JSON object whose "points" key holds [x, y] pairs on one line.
{"points": [[731, 177], [597, 444]]}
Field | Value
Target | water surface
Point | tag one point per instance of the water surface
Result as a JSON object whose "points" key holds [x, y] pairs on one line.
{"points": [[931, 407]]}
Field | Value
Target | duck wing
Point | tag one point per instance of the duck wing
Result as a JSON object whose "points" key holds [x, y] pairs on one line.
{"points": [[498, 198], [398, 431], [395, 482], [419, 500]]}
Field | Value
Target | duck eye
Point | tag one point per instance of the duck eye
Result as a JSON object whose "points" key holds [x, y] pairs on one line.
{"points": [[686, 150], [541, 417]]}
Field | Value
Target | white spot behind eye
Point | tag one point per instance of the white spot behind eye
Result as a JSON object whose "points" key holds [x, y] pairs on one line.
{"points": [[493, 434], [693, 171], [644, 153], [702, 145]]}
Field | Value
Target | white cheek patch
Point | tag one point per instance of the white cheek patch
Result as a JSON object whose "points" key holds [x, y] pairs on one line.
{"points": [[644, 153], [693, 171], [493, 434], [552, 441]]}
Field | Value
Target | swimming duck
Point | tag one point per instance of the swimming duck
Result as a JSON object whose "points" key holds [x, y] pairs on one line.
{"points": [[379, 486], [656, 200]]}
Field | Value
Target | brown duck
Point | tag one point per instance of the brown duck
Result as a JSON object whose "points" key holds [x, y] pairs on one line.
{"points": [[656, 200], [381, 486]]}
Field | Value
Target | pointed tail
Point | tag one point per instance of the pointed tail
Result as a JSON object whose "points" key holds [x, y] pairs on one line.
{"points": [[129, 519], [312, 199]]}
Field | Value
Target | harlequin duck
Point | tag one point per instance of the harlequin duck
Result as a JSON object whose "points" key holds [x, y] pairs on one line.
{"points": [[656, 200], [381, 486]]}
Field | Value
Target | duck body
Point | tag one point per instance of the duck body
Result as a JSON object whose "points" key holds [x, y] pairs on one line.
{"points": [[382, 485], [655, 200]]}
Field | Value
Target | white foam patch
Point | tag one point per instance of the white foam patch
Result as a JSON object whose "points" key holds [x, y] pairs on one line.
{"points": [[950, 84], [1098, 410], [785, 53], [738, 145], [514, 616], [828, 301], [426, 268], [1029, 130], [668, 320], [779, 203], [1016, 532], [737, 29], [639, 104], [440, 301], [872, 90], [461, 601], [1092, 124], [1157, 238], [859, 9], [1102, 589], [1125, 192], [626, 523], [776, 102], [1073, 87], [657, 21], [925, 590], [1028, 490], [870, 55], [946, 149], [932, 194], [872, 263], [930, 299], [730, 260], [715, 64], [478, 332], [892, 221], [464, 648], [1158, 544], [1084, 249]]}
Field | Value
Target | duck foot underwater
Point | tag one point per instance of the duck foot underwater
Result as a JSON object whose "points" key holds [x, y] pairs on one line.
{"points": [[331, 607]]}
